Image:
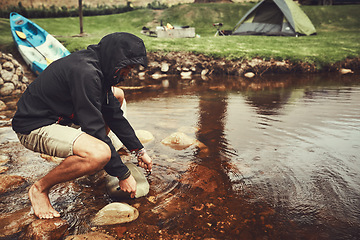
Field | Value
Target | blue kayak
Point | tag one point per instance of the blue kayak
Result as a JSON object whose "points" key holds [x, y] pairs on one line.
{"points": [[36, 46]]}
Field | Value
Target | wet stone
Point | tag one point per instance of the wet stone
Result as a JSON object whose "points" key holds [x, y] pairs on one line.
{"points": [[249, 74], [53, 229], [115, 213], [91, 236], [10, 182], [4, 159], [178, 141], [142, 185], [12, 223], [3, 169], [144, 136]]}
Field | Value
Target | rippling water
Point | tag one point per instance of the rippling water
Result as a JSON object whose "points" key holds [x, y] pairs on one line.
{"points": [[282, 161], [294, 148]]}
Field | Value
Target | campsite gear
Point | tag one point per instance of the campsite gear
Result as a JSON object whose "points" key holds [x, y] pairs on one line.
{"points": [[142, 185], [218, 29], [275, 17], [37, 47], [221, 32], [170, 31]]}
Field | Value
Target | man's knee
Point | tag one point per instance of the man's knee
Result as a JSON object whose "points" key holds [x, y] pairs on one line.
{"points": [[94, 152], [100, 155]]}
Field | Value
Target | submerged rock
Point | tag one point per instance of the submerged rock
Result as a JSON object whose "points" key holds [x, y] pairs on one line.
{"points": [[10, 182], [3, 169], [12, 223], [115, 213], [46, 229], [91, 236]]}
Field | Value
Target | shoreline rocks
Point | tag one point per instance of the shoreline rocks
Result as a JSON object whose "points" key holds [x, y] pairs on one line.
{"points": [[12, 77], [186, 65]]}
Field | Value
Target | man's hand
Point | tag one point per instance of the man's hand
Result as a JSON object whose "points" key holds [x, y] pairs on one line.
{"points": [[128, 185], [145, 162]]}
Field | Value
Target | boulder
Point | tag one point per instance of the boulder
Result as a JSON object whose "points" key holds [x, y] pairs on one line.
{"points": [[115, 213]]}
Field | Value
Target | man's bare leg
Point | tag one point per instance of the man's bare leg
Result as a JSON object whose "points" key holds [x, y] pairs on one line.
{"points": [[90, 155]]}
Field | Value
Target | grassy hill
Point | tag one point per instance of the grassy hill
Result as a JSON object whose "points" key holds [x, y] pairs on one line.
{"points": [[338, 35]]}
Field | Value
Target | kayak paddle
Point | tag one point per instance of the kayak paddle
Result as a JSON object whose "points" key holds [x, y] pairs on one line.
{"points": [[22, 36]]}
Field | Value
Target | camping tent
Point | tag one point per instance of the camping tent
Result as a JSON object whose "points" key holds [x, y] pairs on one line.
{"points": [[275, 17]]}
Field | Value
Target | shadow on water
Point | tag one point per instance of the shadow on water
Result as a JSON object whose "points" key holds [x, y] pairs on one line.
{"points": [[281, 161]]}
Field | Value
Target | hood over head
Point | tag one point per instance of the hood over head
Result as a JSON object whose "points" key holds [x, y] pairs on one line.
{"points": [[118, 50]]}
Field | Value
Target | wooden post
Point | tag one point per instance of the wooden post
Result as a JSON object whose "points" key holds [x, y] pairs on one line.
{"points": [[81, 17]]}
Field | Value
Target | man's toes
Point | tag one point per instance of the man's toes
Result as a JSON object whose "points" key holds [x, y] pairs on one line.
{"points": [[56, 214]]}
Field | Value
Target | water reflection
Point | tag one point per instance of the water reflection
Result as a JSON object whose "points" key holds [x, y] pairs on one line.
{"points": [[282, 161], [283, 156]]}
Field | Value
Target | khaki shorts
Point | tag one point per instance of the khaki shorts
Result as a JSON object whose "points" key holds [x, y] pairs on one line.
{"points": [[54, 140]]}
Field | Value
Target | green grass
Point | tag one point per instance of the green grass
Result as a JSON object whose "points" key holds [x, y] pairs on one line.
{"points": [[338, 30]]}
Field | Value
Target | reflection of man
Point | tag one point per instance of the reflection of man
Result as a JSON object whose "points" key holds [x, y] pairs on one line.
{"points": [[77, 90]]}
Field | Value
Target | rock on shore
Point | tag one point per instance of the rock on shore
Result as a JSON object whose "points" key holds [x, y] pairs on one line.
{"points": [[185, 65], [12, 78]]}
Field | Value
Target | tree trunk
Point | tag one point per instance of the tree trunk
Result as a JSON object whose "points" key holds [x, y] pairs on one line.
{"points": [[81, 17]]}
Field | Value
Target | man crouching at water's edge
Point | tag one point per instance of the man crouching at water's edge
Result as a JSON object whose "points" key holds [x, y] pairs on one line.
{"points": [[78, 90]]}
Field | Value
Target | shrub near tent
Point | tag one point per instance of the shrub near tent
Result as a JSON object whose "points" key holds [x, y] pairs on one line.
{"points": [[275, 17]]}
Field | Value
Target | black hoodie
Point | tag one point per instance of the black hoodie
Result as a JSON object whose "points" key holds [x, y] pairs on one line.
{"points": [[78, 88]]}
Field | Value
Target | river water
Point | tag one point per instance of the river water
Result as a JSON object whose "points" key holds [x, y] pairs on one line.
{"points": [[282, 161]]}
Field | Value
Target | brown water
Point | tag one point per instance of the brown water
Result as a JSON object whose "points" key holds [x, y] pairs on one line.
{"points": [[282, 162]]}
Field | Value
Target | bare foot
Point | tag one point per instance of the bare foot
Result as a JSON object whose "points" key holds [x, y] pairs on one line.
{"points": [[41, 203]]}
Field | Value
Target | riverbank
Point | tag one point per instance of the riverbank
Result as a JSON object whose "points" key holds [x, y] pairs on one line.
{"points": [[188, 64]]}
